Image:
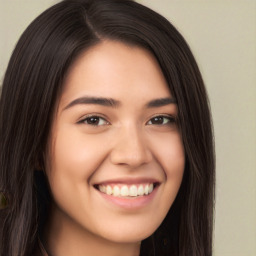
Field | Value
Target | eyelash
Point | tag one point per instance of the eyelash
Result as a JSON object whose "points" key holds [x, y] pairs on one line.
{"points": [[167, 119]]}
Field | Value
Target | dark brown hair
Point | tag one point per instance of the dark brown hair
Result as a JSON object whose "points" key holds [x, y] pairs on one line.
{"points": [[31, 86]]}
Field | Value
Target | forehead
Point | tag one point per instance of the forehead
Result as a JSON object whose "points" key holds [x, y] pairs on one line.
{"points": [[114, 69]]}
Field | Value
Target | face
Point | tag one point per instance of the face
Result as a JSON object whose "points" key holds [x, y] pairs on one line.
{"points": [[115, 158]]}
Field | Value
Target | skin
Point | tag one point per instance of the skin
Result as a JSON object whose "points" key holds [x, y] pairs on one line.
{"points": [[126, 143]]}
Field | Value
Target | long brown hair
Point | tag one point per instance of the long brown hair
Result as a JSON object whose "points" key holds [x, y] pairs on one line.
{"points": [[31, 86]]}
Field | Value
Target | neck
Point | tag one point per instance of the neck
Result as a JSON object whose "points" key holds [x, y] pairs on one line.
{"points": [[64, 237]]}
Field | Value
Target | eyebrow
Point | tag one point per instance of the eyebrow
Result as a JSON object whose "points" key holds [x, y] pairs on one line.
{"points": [[109, 102], [161, 102]]}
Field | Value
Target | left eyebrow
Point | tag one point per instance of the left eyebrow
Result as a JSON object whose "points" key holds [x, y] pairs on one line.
{"points": [[161, 102]]}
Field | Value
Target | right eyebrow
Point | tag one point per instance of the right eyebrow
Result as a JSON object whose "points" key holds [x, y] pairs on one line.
{"points": [[161, 102]]}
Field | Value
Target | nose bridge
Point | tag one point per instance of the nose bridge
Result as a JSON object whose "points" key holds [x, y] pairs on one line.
{"points": [[131, 147]]}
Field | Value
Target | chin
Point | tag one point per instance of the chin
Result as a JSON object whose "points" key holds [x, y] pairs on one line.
{"points": [[131, 235]]}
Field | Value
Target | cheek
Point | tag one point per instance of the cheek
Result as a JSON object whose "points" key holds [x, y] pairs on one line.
{"points": [[170, 153], [171, 157], [174, 163], [74, 158], [75, 150]]}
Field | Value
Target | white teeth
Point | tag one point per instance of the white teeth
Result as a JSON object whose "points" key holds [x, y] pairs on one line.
{"points": [[146, 190], [126, 190], [133, 191], [116, 191], [150, 188], [140, 191], [102, 188], [109, 190]]}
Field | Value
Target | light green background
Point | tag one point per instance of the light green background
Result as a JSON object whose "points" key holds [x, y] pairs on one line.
{"points": [[222, 35]]}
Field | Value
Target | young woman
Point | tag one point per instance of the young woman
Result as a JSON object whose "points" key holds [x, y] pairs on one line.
{"points": [[106, 139]]}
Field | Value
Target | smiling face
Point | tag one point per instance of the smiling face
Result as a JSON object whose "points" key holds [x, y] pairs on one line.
{"points": [[115, 158]]}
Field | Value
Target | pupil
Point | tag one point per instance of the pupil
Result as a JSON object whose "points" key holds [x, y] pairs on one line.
{"points": [[93, 120], [157, 120]]}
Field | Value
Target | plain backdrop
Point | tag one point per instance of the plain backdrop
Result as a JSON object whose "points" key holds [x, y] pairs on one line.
{"points": [[222, 36]]}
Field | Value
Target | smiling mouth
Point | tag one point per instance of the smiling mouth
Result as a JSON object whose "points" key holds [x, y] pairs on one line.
{"points": [[127, 190]]}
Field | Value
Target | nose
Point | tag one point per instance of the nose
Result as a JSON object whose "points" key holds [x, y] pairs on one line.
{"points": [[130, 148]]}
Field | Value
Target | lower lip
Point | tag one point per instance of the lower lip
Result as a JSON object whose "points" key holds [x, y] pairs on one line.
{"points": [[130, 203]]}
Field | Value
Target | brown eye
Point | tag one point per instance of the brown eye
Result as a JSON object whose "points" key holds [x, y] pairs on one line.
{"points": [[94, 120], [161, 120]]}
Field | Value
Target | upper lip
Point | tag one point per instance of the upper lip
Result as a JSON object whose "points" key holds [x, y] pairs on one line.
{"points": [[139, 180]]}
